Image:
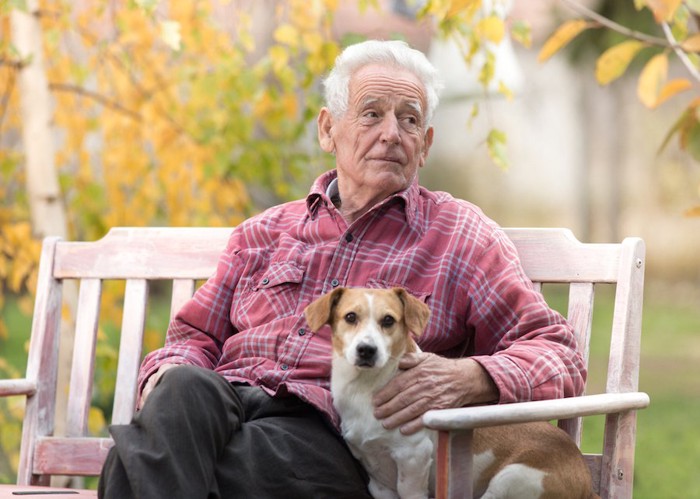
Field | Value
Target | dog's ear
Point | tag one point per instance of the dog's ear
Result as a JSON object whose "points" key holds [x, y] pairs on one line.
{"points": [[416, 312], [320, 311]]}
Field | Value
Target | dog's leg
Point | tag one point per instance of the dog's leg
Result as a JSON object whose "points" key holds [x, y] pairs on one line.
{"points": [[375, 464], [414, 465]]}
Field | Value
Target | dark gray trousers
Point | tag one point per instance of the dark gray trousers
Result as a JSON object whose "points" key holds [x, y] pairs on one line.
{"points": [[199, 436]]}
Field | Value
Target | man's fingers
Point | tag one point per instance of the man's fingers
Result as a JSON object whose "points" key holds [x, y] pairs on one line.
{"points": [[153, 381], [401, 382], [411, 360], [410, 410]]}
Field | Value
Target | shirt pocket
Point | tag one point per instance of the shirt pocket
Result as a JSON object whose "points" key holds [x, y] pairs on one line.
{"points": [[427, 339], [272, 294]]}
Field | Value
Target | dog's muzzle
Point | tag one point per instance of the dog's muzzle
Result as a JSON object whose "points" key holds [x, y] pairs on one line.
{"points": [[366, 355]]}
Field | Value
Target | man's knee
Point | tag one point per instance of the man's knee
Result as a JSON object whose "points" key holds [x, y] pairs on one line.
{"points": [[197, 388], [186, 378]]}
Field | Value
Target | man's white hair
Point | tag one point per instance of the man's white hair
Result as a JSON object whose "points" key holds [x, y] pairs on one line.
{"points": [[392, 53]]}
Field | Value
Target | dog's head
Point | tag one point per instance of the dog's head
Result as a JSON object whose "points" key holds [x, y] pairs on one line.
{"points": [[369, 326]]}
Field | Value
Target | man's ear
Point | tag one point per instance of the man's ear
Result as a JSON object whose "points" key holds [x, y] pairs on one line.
{"points": [[325, 128], [426, 146]]}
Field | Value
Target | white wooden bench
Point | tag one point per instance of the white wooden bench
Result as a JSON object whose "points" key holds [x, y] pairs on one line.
{"points": [[187, 255]]}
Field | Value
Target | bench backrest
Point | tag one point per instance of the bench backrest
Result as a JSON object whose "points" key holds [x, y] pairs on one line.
{"points": [[187, 255]]}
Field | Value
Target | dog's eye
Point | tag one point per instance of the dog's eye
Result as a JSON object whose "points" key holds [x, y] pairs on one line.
{"points": [[388, 321], [351, 318]]}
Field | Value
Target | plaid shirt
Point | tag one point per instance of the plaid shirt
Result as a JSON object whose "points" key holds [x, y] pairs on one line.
{"points": [[247, 321]]}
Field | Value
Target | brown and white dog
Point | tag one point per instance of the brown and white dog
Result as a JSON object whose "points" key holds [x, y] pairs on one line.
{"points": [[371, 330]]}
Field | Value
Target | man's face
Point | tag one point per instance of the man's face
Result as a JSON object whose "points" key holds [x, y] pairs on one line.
{"points": [[381, 141]]}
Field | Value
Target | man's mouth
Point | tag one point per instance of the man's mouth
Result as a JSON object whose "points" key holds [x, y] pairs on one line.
{"points": [[388, 159]]}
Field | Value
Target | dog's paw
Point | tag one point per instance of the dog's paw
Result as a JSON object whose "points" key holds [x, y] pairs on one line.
{"points": [[379, 491]]}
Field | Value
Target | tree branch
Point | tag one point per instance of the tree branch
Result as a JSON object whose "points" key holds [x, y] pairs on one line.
{"points": [[680, 53], [65, 87], [624, 30], [13, 63]]}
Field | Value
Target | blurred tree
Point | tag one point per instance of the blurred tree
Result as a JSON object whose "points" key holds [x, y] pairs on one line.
{"points": [[142, 113], [655, 32], [153, 112]]}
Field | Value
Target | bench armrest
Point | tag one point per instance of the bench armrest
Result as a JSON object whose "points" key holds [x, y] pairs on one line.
{"points": [[22, 386], [467, 418]]}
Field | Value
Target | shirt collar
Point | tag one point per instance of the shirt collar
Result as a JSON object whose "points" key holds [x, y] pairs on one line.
{"points": [[325, 188]]}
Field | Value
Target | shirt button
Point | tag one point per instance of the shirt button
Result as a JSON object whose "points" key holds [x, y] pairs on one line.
{"points": [[265, 281], [284, 367], [301, 331], [335, 283], [348, 238]]}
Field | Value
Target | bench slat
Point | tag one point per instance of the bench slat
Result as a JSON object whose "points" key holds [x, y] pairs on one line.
{"points": [[83, 356], [130, 346], [71, 456], [9, 387], [555, 255], [183, 289], [154, 253]]}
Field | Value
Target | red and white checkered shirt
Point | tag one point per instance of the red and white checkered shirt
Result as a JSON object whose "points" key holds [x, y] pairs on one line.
{"points": [[247, 321]]}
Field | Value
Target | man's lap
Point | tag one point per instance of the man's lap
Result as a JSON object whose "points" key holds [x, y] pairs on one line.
{"points": [[282, 447]]}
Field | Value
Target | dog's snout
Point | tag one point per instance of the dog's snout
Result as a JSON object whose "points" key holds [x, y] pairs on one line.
{"points": [[366, 353]]}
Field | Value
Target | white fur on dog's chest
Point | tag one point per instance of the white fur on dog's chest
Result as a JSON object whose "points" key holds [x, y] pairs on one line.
{"points": [[379, 449]]}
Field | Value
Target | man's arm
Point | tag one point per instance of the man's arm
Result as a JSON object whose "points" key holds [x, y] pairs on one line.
{"points": [[523, 350], [197, 333]]}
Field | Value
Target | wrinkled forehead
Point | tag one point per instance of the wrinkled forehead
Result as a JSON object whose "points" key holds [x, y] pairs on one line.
{"points": [[379, 83]]}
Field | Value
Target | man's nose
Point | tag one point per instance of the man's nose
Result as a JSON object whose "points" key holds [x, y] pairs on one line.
{"points": [[391, 132]]}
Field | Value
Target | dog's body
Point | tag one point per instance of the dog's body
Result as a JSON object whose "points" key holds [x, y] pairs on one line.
{"points": [[371, 331]]}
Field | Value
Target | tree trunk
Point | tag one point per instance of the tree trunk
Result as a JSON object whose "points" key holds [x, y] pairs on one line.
{"points": [[47, 211], [48, 215]]}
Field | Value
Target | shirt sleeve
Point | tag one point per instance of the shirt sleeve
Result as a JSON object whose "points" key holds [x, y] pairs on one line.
{"points": [[529, 349], [198, 331]]}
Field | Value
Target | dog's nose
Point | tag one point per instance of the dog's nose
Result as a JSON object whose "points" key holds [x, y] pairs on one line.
{"points": [[366, 353]]}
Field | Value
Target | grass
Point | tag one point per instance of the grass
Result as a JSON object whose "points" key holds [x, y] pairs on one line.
{"points": [[667, 450], [668, 438]]}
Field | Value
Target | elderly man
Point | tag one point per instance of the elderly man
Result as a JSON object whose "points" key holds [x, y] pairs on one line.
{"points": [[237, 403]]}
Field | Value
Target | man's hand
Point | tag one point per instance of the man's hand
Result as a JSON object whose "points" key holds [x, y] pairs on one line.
{"points": [[431, 382], [153, 381]]}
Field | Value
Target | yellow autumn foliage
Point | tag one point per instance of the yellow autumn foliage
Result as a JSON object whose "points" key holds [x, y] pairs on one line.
{"points": [[676, 19], [173, 113], [614, 62], [562, 36]]}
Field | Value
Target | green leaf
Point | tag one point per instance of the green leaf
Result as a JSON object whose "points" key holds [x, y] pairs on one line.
{"points": [[693, 141], [488, 69], [148, 5], [521, 32], [497, 147], [7, 5], [675, 128]]}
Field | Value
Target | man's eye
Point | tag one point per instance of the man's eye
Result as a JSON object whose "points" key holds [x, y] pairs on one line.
{"points": [[410, 121], [351, 318], [388, 321]]}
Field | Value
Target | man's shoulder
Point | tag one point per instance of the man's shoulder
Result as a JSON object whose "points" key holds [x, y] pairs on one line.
{"points": [[443, 203], [278, 213]]}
